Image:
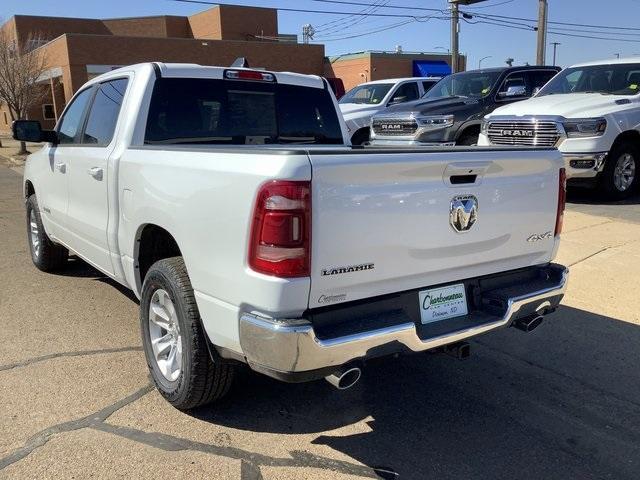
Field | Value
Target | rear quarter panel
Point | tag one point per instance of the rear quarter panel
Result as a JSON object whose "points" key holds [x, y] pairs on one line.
{"points": [[205, 198]]}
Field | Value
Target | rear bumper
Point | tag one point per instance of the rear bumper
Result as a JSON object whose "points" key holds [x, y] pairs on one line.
{"points": [[297, 350]]}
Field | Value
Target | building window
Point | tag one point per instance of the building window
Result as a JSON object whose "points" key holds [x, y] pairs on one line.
{"points": [[47, 112], [6, 120]]}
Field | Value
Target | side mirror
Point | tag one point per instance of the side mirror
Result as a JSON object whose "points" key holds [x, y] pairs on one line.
{"points": [[514, 91], [31, 131]]}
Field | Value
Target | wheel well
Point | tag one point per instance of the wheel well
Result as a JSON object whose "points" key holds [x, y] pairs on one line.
{"points": [[28, 189], [471, 129], [154, 243], [629, 135], [361, 131]]}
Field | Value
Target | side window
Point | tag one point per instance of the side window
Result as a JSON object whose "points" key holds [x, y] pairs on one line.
{"points": [[539, 79], [405, 93], [426, 85], [72, 120], [514, 87], [104, 112]]}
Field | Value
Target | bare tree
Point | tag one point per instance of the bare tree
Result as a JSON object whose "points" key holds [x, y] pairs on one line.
{"points": [[20, 68]]}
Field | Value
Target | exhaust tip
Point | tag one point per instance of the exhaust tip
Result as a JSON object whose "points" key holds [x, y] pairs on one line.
{"points": [[344, 378], [528, 324], [460, 350]]}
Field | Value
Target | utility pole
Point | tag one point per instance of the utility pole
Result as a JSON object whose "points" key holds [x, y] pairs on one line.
{"points": [[455, 32], [455, 29], [555, 46], [542, 33]]}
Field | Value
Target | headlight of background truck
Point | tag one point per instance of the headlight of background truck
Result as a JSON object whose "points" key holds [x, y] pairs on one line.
{"points": [[435, 122], [585, 127]]}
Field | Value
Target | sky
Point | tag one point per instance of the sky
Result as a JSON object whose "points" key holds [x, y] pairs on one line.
{"points": [[426, 33]]}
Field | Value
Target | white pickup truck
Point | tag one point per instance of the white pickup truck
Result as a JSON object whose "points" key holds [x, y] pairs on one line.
{"points": [[231, 203], [591, 113]]}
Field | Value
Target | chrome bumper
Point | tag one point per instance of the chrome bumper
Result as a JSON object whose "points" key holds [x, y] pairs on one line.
{"points": [[290, 346]]}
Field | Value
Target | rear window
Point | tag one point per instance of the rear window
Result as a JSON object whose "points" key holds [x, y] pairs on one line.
{"points": [[232, 112]]}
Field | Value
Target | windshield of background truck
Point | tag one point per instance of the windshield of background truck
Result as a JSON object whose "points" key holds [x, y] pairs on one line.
{"points": [[465, 84], [617, 79], [367, 94]]}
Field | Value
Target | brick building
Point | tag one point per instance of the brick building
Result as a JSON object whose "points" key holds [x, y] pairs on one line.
{"points": [[78, 49], [356, 68]]}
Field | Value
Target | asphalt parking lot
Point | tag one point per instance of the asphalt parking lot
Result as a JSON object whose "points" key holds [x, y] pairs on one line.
{"points": [[562, 402]]}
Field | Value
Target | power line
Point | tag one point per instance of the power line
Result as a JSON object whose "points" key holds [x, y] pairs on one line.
{"points": [[350, 22], [330, 12], [494, 16], [336, 23]]}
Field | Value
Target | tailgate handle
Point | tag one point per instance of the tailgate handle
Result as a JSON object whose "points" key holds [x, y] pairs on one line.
{"points": [[464, 173], [462, 179]]}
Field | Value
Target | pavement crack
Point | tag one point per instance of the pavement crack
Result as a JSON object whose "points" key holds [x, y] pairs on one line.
{"points": [[79, 353], [96, 418], [604, 249], [590, 226], [252, 461]]}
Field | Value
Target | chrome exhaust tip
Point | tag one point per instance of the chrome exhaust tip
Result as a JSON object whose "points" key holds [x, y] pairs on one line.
{"points": [[344, 378], [528, 324]]}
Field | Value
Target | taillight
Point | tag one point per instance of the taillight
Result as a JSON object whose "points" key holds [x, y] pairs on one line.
{"points": [[281, 230], [562, 200]]}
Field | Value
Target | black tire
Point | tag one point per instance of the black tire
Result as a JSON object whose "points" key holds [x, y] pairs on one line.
{"points": [[47, 256], [360, 137], [468, 139], [201, 380], [608, 177]]}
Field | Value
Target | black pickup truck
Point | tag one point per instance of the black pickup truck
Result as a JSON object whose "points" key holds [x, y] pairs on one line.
{"points": [[452, 111]]}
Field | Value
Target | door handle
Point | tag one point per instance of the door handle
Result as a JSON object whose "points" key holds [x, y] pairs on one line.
{"points": [[95, 172], [61, 167]]}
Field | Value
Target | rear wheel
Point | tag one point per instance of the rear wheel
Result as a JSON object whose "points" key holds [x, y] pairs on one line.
{"points": [[620, 175], [174, 341], [46, 255]]}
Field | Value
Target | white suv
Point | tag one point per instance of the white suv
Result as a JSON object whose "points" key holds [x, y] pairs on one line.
{"points": [[591, 113], [360, 103]]}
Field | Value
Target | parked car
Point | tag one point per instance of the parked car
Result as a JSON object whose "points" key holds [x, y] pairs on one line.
{"points": [[230, 201], [360, 103], [451, 113], [591, 112]]}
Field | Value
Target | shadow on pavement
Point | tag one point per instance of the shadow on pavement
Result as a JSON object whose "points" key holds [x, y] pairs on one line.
{"points": [[588, 196], [560, 402]]}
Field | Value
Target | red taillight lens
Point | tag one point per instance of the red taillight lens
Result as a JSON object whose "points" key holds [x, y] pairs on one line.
{"points": [[281, 230], [562, 200]]}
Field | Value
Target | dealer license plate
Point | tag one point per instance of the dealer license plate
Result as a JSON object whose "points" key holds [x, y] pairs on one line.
{"points": [[442, 303]]}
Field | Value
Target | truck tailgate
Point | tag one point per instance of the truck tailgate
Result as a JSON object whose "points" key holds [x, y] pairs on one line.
{"points": [[381, 220]]}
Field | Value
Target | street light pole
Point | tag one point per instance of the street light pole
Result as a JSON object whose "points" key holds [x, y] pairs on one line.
{"points": [[480, 61], [555, 46]]}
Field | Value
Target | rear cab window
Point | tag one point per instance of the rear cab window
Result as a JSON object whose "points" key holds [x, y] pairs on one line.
{"points": [[236, 112]]}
